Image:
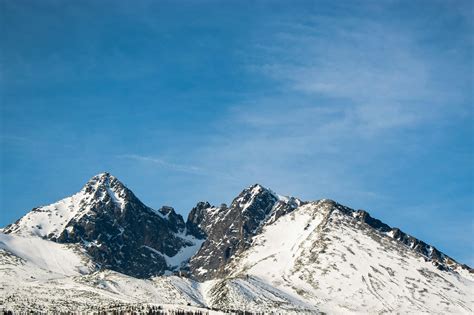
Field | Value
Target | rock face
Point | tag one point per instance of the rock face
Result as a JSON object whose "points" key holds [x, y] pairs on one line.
{"points": [[116, 228], [228, 231]]}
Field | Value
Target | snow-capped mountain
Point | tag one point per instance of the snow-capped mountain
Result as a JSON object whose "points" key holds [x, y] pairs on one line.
{"points": [[264, 252], [118, 231]]}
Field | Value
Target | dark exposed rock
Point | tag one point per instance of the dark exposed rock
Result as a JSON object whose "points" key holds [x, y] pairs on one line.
{"points": [[442, 261], [196, 219], [365, 217], [176, 221], [229, 230]]}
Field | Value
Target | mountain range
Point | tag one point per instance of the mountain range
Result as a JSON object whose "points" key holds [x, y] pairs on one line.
{"points": [[102, 247]]}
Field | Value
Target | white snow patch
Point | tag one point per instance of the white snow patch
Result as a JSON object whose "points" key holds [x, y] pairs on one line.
{"points": [[184, 253], [45, 254]]}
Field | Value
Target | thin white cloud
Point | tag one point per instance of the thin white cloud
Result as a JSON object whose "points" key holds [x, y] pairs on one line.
{"points": [[381, 73], [164, 164]]}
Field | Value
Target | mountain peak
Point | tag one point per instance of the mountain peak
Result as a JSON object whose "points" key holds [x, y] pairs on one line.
{"points": [[102, 179], [106, 187], [257, 185], [256, 188], [252, 194], [103, 174], [257, 192]]}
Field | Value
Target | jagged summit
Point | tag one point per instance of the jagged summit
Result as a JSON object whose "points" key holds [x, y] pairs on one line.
{"points": [[256, 196], [103, 192], [106, 187], [228, 231], [102, 179], [257, 189], [102, 175]]}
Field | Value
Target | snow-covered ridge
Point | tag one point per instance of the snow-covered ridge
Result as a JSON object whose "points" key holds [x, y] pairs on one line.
{"points": [[48, 220], [345, 266], [51, 220]]}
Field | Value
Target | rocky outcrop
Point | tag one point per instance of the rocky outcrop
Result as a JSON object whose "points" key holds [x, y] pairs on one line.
{"points": [[229, 230]]}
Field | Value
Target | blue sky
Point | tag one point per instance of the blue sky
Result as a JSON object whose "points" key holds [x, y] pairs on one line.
{"points": [[367, 103]]}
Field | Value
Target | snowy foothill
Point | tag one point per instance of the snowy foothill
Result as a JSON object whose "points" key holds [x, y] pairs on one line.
{"points": [[58, 259]]}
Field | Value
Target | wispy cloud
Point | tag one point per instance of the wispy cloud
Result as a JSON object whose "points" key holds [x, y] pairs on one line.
{"points": [[164, 164], [380, 73], [332, 97]]}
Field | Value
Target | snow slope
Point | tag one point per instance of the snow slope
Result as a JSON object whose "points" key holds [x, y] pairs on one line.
{"points": [[59, 259], [37, 280], [341, 265], [37, 274], [50, 219]]}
